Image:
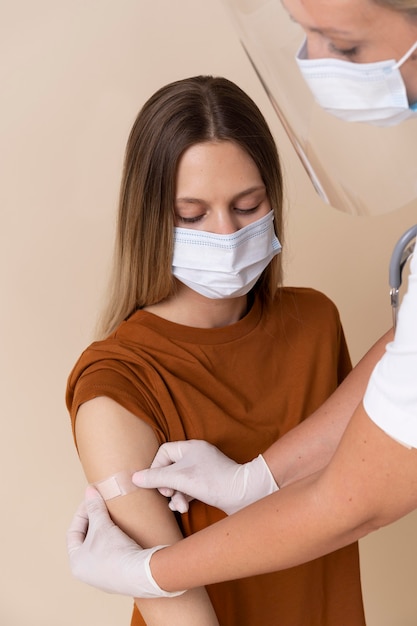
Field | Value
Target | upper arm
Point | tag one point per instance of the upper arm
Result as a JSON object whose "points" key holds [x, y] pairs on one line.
{"points": [[110, 439], [371, 480], [310, 446]]}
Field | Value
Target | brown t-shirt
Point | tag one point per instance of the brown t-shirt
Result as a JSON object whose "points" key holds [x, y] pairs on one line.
{"points": [[240, 388]]}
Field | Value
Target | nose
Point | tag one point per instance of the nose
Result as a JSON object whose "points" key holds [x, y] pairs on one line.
{"points": [[316, 46], [224, 223]]}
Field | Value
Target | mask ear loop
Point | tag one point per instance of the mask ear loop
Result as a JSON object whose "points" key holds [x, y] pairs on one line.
{"points": [[406, 56]]}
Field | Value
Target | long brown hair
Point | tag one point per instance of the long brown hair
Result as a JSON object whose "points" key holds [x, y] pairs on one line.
{"points": [[177, 116]]}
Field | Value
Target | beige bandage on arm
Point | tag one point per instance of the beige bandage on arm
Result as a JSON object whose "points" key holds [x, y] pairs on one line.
{"points": [[119, 484]]}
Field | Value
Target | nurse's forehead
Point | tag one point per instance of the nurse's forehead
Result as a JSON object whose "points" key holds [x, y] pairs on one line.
{"points": [[332, 18]]}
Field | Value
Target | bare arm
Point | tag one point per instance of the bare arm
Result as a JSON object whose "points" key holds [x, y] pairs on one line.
{"points": [[111, 439], [309, 447], [195, 469], [370, 482]]}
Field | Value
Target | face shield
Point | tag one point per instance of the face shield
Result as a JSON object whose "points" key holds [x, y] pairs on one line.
{"points": [[362, 163]]}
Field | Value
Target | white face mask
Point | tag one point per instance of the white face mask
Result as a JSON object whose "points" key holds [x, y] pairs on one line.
{"points": [[358, 92], [224, 266]]}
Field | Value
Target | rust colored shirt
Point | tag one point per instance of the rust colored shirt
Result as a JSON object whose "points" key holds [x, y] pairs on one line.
{"points": [[240, 388]]}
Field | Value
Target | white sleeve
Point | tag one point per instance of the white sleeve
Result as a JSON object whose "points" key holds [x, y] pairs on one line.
{"points": [[391, 396]]}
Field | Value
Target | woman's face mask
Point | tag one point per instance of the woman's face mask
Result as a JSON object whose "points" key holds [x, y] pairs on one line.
{"points": [[358, 92], [224, 266]]}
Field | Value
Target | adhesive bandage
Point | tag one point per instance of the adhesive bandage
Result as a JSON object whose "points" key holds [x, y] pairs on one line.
{"points": [[119, 484]]}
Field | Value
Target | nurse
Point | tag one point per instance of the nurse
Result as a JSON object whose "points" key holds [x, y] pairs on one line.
{"points": [[359, 57], [370, 482]]}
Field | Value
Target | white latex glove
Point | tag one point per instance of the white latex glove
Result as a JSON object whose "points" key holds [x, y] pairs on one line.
{"points": [[103, 556], [183, 470]]}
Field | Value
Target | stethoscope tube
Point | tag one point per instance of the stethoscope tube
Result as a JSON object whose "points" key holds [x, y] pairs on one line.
{"points": [[402, 251]]}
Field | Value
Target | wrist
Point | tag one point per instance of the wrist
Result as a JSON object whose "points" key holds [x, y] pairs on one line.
{"points": [[156, 556], [156, 565], [256, 482], [269, 483]]}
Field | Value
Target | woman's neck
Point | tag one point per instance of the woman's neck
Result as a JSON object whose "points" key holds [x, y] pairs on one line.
{"points": [[189, 308]]}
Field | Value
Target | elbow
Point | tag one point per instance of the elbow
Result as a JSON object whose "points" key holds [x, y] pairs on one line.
{"points": [[369, 526], [375, 518]]}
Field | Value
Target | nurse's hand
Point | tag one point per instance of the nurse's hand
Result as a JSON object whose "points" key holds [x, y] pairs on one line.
{"points": [[184, 470], [101, 555]]}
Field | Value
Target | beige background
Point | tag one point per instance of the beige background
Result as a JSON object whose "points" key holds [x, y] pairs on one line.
{"points": [[73, 75]]}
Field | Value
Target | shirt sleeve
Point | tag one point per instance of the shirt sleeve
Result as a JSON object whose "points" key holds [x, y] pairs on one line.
{"points": [[127, 385], [391, 396]]}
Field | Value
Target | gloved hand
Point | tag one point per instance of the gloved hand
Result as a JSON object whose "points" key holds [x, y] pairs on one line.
{"points": [[102, 555], [183, 470]]}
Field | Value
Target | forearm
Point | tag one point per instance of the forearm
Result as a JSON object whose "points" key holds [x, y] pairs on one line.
{"points": [[370, 482], [110, 438], [229, 549], [193, 607], [292, 527], [309, 447]]}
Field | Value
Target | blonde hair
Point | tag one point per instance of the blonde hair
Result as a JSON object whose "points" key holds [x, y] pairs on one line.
{"points": [[177, 116], [403, 6]]}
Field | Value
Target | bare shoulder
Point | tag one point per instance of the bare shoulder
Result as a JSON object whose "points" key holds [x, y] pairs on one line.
{"points": [[110, 439]]}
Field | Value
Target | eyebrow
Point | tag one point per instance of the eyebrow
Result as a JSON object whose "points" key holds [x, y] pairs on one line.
{"points": [[239, 195], [328, 31], [321, 31]]}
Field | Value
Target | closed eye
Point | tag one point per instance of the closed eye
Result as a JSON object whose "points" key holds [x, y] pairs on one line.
{"points": [[188, 220], [247, 211], [347, 52]]}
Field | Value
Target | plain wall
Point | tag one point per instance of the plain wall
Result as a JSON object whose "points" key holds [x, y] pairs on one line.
{"points": [[73, 76]]}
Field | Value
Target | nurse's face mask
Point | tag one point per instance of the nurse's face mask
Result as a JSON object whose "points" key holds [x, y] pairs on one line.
{"points": [[358, 92], [224, 266]]}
